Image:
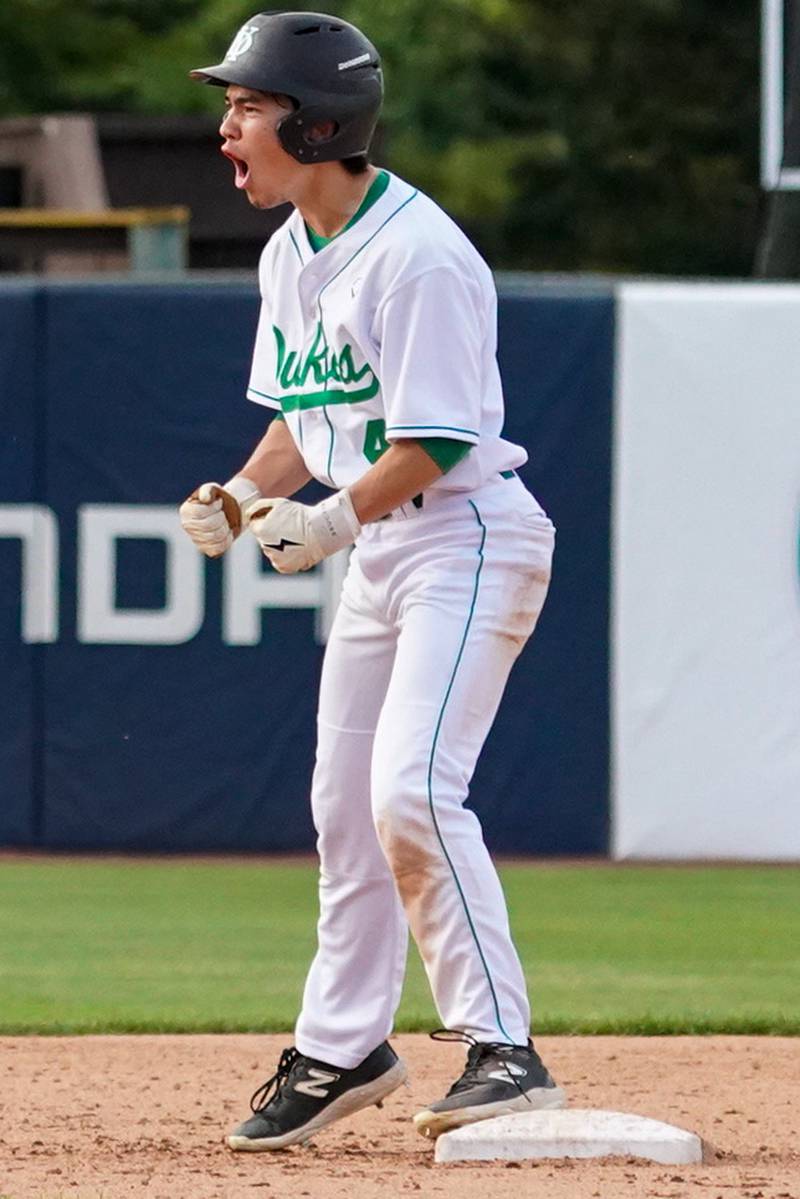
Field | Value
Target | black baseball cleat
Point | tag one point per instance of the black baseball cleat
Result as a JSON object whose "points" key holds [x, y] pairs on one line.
{"points": [[305, 1095], [499, 1079]]}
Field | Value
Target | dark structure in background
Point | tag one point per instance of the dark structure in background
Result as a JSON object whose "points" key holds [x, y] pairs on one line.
{"points": [[778, 255], [85, 163], [176, 160]]}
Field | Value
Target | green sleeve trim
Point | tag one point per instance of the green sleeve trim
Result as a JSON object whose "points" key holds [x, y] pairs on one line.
{"points": [[445, 451], [279, 416]]}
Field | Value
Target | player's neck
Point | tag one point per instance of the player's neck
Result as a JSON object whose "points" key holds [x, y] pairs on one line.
{"points": [[329, 197]]}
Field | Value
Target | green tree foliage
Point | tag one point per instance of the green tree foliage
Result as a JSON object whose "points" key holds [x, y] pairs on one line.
{"points": [[591, 134], [562, 134], [109, 55]]}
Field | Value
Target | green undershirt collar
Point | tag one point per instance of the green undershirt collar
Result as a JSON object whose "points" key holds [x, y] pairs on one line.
{"points": [[376, 189]]}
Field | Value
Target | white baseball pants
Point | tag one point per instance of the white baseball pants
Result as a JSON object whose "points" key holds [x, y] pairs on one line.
{"points": [[434, 611]]}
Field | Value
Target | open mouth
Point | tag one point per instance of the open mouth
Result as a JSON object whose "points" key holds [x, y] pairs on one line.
{"points": [[242, 177]]}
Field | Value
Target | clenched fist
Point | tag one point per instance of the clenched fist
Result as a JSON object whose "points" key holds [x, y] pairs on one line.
{"points": [[297, 536], [212, 515]]}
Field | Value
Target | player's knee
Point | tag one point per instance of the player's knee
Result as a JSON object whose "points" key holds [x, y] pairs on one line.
{"points": [[342, 843], [399, 804], [332, 843], [408, 839]]}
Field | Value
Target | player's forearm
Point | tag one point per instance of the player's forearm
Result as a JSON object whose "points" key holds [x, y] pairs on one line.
{"points": [[402, 472], [276, 465]]}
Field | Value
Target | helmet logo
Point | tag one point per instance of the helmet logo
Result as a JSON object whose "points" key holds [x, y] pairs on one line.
{"points": [[354, 62], [241, 43]]}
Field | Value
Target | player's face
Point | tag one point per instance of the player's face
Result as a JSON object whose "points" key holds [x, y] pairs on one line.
{"points": [[264, 171]]}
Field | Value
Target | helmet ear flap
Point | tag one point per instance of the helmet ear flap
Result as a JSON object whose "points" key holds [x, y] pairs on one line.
{"points": [[296, 135], [291, 134]]}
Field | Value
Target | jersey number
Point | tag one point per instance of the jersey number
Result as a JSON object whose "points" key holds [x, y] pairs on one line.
{"points": [[375, 442]]}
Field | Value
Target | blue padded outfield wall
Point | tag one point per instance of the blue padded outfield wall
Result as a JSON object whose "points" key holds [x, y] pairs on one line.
{"points": [[151, 700]]}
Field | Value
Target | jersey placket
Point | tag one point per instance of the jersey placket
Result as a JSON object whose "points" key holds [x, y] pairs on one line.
{"points": [[334, 253], [331, 429], [311, 307]]}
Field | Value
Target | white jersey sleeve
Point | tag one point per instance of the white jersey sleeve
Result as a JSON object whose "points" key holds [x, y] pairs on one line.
{"points": [[258, 388], [430, 330], [261, 387]]}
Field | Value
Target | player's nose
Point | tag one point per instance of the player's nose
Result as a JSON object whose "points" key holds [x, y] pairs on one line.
{"points": [[227, 126]]}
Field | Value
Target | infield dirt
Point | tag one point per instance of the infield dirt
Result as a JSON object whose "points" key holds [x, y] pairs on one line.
{"points": [[113, 1117]]}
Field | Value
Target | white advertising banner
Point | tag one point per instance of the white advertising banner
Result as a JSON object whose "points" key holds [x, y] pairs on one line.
{"points": [[706, 568]]}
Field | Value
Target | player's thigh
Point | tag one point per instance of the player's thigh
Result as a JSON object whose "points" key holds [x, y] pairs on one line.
{"points": [[459, 639], [356, 667], [355, 675]]}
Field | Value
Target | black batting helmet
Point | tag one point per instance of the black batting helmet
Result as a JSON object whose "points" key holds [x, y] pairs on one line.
{"points": [[327, 67]]}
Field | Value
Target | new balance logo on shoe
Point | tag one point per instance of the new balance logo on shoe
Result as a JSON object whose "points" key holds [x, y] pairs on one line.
{"points": [[317, 1083], [502, 1075]]}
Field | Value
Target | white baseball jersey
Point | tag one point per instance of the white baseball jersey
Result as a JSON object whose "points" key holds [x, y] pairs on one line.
{"points": [[387, 332]]}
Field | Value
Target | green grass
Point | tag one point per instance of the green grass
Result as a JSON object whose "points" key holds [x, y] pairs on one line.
{"points": [[186, 946]]}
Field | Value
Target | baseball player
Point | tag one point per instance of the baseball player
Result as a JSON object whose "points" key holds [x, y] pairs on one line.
{"points": [[375, 351]]}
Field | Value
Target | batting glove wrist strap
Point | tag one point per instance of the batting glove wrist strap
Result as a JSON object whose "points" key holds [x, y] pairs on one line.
{"points": [[243, 490], [334, 522]]}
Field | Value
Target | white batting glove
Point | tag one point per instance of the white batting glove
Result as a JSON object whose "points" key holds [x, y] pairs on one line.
{"points": [[298, 536], [212, 515]]}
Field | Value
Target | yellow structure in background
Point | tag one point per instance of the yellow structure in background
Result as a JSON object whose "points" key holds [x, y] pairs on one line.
{"points": [[156, 238]]}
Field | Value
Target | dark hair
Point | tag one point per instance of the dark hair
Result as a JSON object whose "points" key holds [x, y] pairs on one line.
{"points": [[356, 165]]}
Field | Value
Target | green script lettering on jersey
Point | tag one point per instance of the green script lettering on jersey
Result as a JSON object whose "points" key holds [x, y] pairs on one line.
{"points": [[317, 369]]}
